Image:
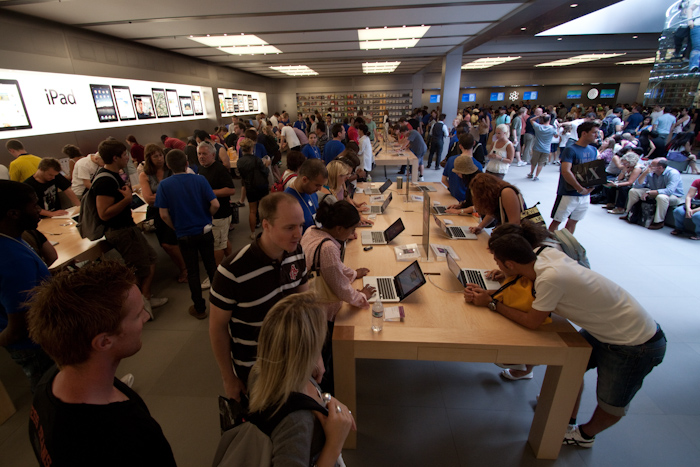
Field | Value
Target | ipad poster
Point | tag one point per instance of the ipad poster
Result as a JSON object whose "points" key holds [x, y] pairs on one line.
{"points": [[173, 102], [122, 97], [13, 113], [144, 106], [197, 103], [187, 108], [104, 103], [160, 103]]}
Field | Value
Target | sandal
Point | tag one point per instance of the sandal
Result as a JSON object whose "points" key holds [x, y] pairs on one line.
{"points": [[508, 375], [694, 237], [675, 232], [240, 205], [182, 278]]}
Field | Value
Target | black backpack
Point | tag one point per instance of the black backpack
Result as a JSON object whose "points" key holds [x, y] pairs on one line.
{"points": [[90, 225], [437, 130], [607, 126]]}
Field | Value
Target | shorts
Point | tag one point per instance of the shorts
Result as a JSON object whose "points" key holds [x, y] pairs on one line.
{"points": [[165, 234], [134, 248], [255, 194], [572, 207], [516, 144], [622, 369], [553, 147], [220, 232], [538, 158]]}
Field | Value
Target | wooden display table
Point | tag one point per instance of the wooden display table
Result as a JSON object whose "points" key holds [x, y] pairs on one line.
{"points": [[440, 326], [390, 157]]}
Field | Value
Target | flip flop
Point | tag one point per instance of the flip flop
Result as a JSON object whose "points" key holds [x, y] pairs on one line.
{"points": [[676, 232], [695, 237]]}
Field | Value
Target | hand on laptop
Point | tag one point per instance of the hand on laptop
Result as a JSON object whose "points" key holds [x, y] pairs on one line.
{"points": [[495, 275], [475, 230], [368, 290]]}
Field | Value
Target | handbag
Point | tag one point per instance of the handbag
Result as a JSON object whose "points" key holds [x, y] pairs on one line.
{"points": [[532, 214], [317, 283], [518, 292], [231, 412]]}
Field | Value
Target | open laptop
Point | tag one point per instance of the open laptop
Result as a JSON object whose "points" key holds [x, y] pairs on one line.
{"points": [[380, 190], [374, 237], [380, 209], [471, 276], [395, 289], [438, 210], [455, 232]]}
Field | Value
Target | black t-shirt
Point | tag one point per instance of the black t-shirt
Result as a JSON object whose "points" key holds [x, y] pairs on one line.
{"points": [[660, 145], [48, 192], [218, 177], [75, 435], [107, 186]]}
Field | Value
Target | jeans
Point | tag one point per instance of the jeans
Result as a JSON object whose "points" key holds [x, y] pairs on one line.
{"points": [[435, 148], [34, 362], [679, 217], [695, 48], [193, 246]]}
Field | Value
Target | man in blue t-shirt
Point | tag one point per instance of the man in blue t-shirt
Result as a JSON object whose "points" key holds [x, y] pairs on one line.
{"points": [[414, 141], [334, 146], [543, 143], [300, 123], [312, 175], [187, 203], [573, 204], [21, 270]]}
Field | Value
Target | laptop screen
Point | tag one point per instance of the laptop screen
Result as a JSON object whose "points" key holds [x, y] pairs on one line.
{"points": [[453, 266], [394, 230], [386, 185], [440, 224], [409, 280], [387, 201]]}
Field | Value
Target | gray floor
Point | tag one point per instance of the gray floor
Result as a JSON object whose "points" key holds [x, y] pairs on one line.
{"points": [[435, 413]]}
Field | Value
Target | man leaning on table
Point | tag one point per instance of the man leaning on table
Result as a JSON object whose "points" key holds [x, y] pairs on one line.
{"points": [[627, 343]]}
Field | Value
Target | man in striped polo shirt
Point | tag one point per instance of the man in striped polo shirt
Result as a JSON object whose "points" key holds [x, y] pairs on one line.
{"points": [[249, 282]]}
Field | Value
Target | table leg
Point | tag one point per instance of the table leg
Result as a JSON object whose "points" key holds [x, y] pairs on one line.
{"points": [[344, 369], [7, 408], [557, 397]]}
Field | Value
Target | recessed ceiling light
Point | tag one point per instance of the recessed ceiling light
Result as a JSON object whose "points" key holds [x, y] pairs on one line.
{"points": [[573, 5], [238, 45], [388, 38], [488, 62], [380, 67], [634, 37], [295, 70], [523, 29], [579, 59], [559, 39], [643, 61]]}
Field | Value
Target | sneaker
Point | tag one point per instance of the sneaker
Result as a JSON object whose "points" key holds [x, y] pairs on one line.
{"points": [[421, 179], [147, 307], [508, 375], [197, 315], [206, 284], [529, 175], [534, 179], [156, 302], [557, 163], [127, 379], [252, 236], [521, 163], [573, 438]]}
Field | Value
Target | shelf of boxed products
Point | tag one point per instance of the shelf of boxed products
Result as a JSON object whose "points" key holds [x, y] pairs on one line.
{"points": [[341, 105]]}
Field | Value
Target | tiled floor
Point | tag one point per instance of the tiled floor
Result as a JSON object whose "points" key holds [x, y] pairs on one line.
{"points": [[437, 413]]}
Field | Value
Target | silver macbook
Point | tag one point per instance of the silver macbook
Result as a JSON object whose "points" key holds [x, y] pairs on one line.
{"points": [[439, 210], [455, 232], [380, 209], [424, 188], [380, 190], [395, 289], [374, 237], [471, 276]]}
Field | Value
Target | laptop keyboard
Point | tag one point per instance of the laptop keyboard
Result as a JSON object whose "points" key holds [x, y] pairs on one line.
{"points": [[439, 209], [456, 232], [378, 237], [385, 288], [474, 277], [375, 209]]}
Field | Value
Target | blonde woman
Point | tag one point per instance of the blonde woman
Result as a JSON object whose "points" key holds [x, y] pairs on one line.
{"points": [[501, 154], [286, 372], [335, 190]]}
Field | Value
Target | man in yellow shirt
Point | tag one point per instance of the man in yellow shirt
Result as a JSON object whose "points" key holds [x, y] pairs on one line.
{"points": [[25, 165]]}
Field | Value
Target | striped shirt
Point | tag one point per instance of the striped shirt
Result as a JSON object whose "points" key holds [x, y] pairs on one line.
{"points": [[249, 283]]}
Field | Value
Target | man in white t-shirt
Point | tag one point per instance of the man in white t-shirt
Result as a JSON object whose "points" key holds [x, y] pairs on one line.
{"points": [[289, 136], [83, 172], [627, 343]]}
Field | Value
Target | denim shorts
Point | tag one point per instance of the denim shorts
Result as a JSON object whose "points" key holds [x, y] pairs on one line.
{"points": [[622, 369]]}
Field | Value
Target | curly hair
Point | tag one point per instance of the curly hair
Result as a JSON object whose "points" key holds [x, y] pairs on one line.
{"points": [[486, 190], [148, 152]]}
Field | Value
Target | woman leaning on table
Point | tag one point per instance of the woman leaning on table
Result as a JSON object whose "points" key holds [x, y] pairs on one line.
{"points": [[495, 200], [286, 371], [323, 248]]}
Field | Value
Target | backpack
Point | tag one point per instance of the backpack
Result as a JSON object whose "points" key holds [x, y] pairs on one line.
{"points": [[436, 131], [90, 225], [279, 186], [572, 247], [607, 126], [249, 443]]}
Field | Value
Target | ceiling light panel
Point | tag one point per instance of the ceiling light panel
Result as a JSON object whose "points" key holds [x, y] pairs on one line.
{"points": [[643, 61], [579, 59], [390, 38], [238, 44], [295, 70], [487, 62], [380, 67]]}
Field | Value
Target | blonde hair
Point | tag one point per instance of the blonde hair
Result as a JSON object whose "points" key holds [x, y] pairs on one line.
{"points": [[335, 169], [247, 146], [289, 345], [504, 128]]}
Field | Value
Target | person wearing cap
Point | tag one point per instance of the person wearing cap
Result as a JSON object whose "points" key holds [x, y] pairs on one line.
{"points": [[503, 117], [462, 169]]}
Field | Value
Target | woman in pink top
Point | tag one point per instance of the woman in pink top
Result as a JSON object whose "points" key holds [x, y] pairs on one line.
{"points": [[338, 222]]}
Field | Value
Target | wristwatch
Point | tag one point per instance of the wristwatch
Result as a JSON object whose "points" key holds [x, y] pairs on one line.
{"points": [[492, 304]]}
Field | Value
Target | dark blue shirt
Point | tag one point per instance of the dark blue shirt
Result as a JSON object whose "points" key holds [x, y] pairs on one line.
{"points": [[187, 198], [576, 155], [301, 124], [455, 184], [260, 150], [311, 152], [332, 149], [309, 204]]}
